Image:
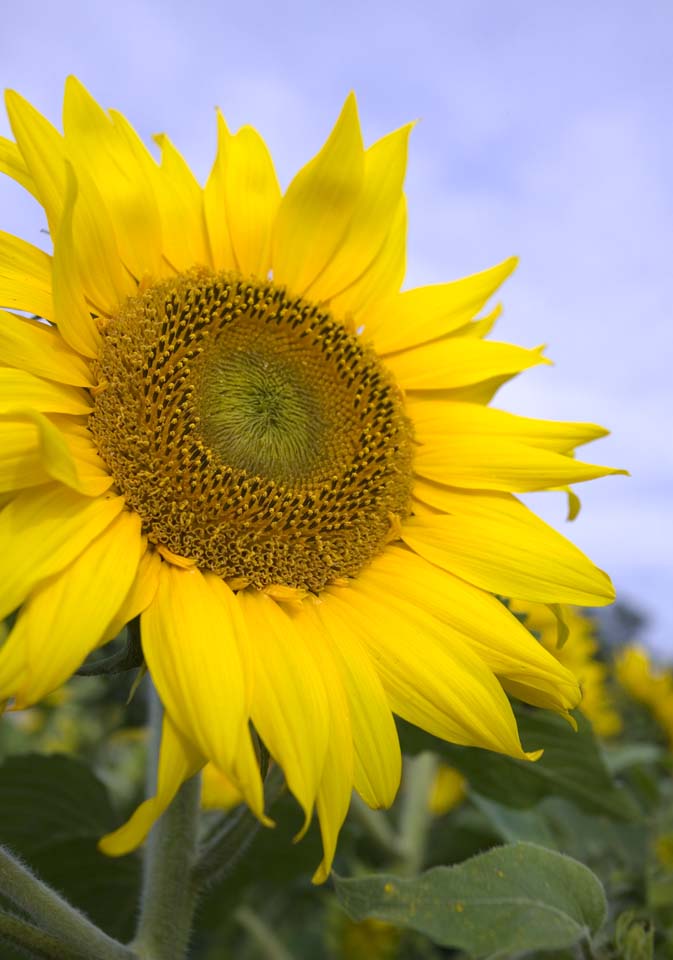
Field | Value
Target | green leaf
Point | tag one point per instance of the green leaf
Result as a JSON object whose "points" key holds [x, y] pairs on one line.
{"points": [[53, 811], [572, 766], [510, 900], [46, 798]]}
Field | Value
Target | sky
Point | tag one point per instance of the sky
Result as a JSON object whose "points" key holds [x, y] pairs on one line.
{"points": [[544, 130]]}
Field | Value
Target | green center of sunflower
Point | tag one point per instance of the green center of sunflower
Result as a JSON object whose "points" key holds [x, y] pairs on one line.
{"points": [[251, 432]]}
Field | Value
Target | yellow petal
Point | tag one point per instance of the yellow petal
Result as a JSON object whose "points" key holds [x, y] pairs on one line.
{"points": [[41, 147], [479, 328], [41, 532], [215, 202], [290, 709], [20, 389], [498, 544], [178, 761], [481, 620], [336, 785], [377, 758], [457, 363], [40, 349], [317, 208], [33, 452], [385, 275], [498, 463], [427, 313], [13, 164], [72, 315], [66, 615], [442, 687], [183, 222], [251, 197], [435, 420], [192, 636], [112, 155], [25, 277], [139, 596], [373, 216]]}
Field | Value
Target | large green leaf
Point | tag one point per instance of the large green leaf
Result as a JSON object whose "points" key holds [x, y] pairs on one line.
{"points": [[53, 811], [510, 900], [572, 766]]}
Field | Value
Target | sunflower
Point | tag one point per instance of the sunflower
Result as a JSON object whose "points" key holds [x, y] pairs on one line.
{"points": [[222, 417], [579, 653]]}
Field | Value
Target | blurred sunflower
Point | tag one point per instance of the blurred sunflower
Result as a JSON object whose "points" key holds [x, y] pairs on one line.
{"points": [[226, 419], [579, 653]]}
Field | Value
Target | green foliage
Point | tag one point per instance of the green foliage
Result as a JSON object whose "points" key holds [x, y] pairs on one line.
{"points": [[512, 899]]}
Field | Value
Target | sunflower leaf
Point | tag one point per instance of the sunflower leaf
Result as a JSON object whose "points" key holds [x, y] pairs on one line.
{"points": [[510, 900], [572, 766]]}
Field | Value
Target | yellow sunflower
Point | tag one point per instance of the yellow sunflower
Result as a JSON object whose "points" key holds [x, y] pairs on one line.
{"points": [[224, 417]]}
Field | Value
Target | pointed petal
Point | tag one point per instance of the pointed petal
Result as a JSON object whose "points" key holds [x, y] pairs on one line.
{"points": [[73, 317], [385, 275], [139, 596], [192, 639], [377, 758], [428, 313], [40, 349], [317, 208], [41, 147], [336, 785], [113, 157], [251, 197], [20, 389], [66, 615], [25, 277], [442, 687], [498, 463], [451, 363], [435, 420], [215, 202], [290, 709], [183, 222], [42, 532], [179, 760], [498, 544], [499, 638], [13, 165], [373, 216]]}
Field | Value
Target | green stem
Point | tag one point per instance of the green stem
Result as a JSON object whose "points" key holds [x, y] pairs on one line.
{"points": [[270, 946], [168, 899], [52, 914], [377, 826], [31, 941]]}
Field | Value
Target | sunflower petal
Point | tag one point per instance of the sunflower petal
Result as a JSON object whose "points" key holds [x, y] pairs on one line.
{"points": [[443, 688], [66, 615], [373, 216], [40, 349], [179, 760], [25, 277], [192, 637], [18, 388], [183, 222], [139, 596], [318, 206], [480, 619], [498, 544], [290, 707], [498, 463], [251, 196], [436, 420], [55, 527], [13, 165], [428, 313], [451, 363]]}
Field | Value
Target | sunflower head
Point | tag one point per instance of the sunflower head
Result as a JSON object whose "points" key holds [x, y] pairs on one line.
{"points": [[226, 418]]}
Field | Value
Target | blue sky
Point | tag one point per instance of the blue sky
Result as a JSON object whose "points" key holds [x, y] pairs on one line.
{"points": [[545, 130]]}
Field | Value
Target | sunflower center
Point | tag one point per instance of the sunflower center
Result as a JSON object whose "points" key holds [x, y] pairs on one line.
{"points": [[251, 432]]}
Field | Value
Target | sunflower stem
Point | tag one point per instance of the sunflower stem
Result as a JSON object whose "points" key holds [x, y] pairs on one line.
{"points": [[53, 918], [168, 901]]}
